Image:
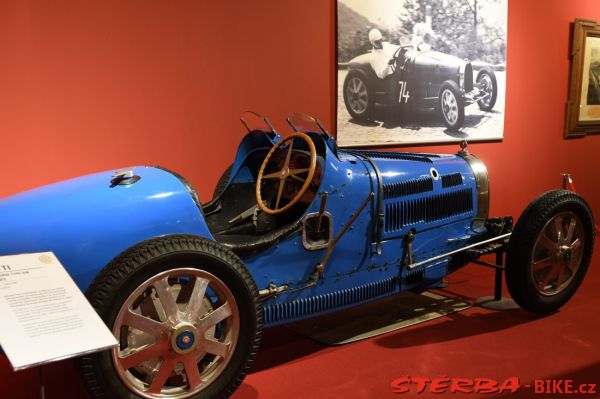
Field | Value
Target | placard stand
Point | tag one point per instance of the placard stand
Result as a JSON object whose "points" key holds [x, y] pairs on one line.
{"points": [[46, 318], [40, 375], [41, 382]]}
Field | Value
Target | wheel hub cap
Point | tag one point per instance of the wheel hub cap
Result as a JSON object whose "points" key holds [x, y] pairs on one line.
{"points": [[565, 254], [184, 339]]}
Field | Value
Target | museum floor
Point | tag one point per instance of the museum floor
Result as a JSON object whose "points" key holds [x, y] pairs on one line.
{"points": [[475, 343]]}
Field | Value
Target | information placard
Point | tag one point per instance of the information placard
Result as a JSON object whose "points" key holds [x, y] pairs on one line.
{"points": [[45, 317]]}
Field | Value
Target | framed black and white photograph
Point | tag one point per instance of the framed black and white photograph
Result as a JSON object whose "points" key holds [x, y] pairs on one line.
{"points": [[420, 71]]}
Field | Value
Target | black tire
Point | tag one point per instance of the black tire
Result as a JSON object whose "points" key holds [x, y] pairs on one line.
{"points": [[451, 105], [532, 242], [222, 183], [143, 262], [356, 88], [486, 78]]}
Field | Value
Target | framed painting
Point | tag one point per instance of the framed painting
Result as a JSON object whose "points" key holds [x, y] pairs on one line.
{"points": [[583, 107]]}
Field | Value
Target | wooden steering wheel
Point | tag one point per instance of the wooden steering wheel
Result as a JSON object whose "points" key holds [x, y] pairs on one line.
{"points": [[286, 173]]}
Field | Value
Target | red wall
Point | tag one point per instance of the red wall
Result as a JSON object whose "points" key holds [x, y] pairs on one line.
{"points": [[99, 84], [95, 85]]}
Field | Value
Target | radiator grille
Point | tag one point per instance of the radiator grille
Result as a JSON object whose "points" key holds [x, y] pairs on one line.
{"points": [[426, 158], [409, 187], [455, 179], [468, 78], [428, 209], [321, 303]]}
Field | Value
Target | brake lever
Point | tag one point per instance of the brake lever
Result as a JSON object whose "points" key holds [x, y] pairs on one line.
{"points": [[244, 215]]}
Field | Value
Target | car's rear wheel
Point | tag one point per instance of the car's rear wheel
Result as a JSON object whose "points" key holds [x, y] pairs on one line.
{"points": [[358, 96], [451, 104], [486, 81], [187, 317], [549, 251]]}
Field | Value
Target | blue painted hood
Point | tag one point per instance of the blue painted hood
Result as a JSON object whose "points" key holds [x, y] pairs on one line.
{"points": [[423, 191], [86, 222]]}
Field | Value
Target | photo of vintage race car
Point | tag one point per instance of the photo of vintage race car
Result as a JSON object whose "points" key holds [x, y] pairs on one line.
{"points": [[421, 79], [297, 228]]}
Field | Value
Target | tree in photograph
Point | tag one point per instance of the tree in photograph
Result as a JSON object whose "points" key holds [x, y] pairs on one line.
{"points": [[353, 33], [459, 28]]}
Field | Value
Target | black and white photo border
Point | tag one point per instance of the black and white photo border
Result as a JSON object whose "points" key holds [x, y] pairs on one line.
{"points": [[420, 62]]}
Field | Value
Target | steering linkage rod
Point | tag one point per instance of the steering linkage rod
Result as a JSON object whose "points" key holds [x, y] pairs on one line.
{"points": [[320, 268]]}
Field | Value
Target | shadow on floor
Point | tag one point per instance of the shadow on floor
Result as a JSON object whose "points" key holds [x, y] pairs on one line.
{"points": [[456, 326], [281, 345]]}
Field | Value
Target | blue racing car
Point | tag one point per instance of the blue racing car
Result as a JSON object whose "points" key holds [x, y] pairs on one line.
{"points": [[297, 228]]}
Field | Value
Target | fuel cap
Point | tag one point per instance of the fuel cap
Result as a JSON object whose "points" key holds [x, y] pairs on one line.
{"points": [[124, 177]]}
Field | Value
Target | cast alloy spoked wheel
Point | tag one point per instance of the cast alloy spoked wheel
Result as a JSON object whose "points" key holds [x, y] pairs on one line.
{"points": [[557, 253], [177, 332], [188, 318], [451, 104], [486, 86], [549, 251], [358, 97]]}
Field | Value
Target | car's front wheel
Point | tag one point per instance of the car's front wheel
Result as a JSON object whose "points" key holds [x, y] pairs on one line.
{"points": [[486, 81], [358, 96], [187, 317], [549, 251], [451, 104]]}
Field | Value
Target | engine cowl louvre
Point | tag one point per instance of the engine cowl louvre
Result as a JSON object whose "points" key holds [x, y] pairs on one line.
{"points": [[409, 187], [401, 214]]}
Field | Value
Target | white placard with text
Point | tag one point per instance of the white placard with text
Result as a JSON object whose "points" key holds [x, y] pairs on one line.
{"points": [[45, 317]]}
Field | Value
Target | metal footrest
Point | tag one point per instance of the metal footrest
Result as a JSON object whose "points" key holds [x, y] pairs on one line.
{"points": [[486, 250]]}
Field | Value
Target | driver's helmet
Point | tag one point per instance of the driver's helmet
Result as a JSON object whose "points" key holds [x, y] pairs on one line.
{"points": [[376, 38]]}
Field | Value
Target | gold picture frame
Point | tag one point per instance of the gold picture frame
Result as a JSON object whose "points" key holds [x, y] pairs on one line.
{"points": [[583, 107]]}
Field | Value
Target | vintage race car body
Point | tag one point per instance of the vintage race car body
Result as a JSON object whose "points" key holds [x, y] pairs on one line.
{"points": [[186, 287], [417, 83], [114, 218], [367, 262]]}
